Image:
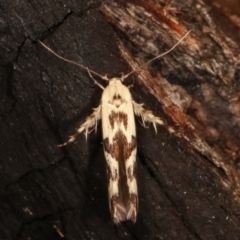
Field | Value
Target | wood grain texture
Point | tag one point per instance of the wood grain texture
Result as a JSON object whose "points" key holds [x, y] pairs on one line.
{"points": [[188, 181]]}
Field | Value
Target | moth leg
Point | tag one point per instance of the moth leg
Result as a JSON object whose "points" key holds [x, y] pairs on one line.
{"points": [[95, 81], [90, 122], [147, 116]]}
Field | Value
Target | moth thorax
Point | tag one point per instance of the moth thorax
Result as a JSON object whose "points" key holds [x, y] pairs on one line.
{"points": [[117, 100]]}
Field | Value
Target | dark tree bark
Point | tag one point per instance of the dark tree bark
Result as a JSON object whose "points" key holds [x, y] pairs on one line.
{"points": [[188, 180]]}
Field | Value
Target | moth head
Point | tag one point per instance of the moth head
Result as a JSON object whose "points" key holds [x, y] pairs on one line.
{"points": [[115, 81]]}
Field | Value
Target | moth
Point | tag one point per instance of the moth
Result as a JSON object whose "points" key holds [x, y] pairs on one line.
{"points": [[116, 110]]}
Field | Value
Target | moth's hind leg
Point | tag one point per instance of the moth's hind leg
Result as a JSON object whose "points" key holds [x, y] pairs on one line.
{"points": [[89, 123], [147, 116]]}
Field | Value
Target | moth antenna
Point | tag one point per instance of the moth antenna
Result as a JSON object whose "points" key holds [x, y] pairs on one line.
{"points": [[158, 56], [96, 82], [72, 62]]}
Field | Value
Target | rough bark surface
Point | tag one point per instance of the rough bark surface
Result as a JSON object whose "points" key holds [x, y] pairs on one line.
{"points": [[188, 181]]}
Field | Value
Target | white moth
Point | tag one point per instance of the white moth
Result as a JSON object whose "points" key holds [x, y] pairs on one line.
{"points": [[117, 109]]}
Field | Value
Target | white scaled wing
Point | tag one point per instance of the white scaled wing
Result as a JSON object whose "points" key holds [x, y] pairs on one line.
{"points": [[119, 140]]}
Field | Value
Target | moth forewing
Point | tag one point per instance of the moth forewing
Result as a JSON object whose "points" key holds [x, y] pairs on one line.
{"points": [[119, 141]]}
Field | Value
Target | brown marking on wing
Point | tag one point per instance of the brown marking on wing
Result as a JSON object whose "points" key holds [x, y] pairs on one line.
{"points": [[116, 100], [113, 203], [112, 174], [122, 203], [123, 118], [132, 207], [132, 172], [119, 146], [118, 210], [129, 147], [112, 149], [117, 97], [133, 199], [118, 118], [112, 119]]}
